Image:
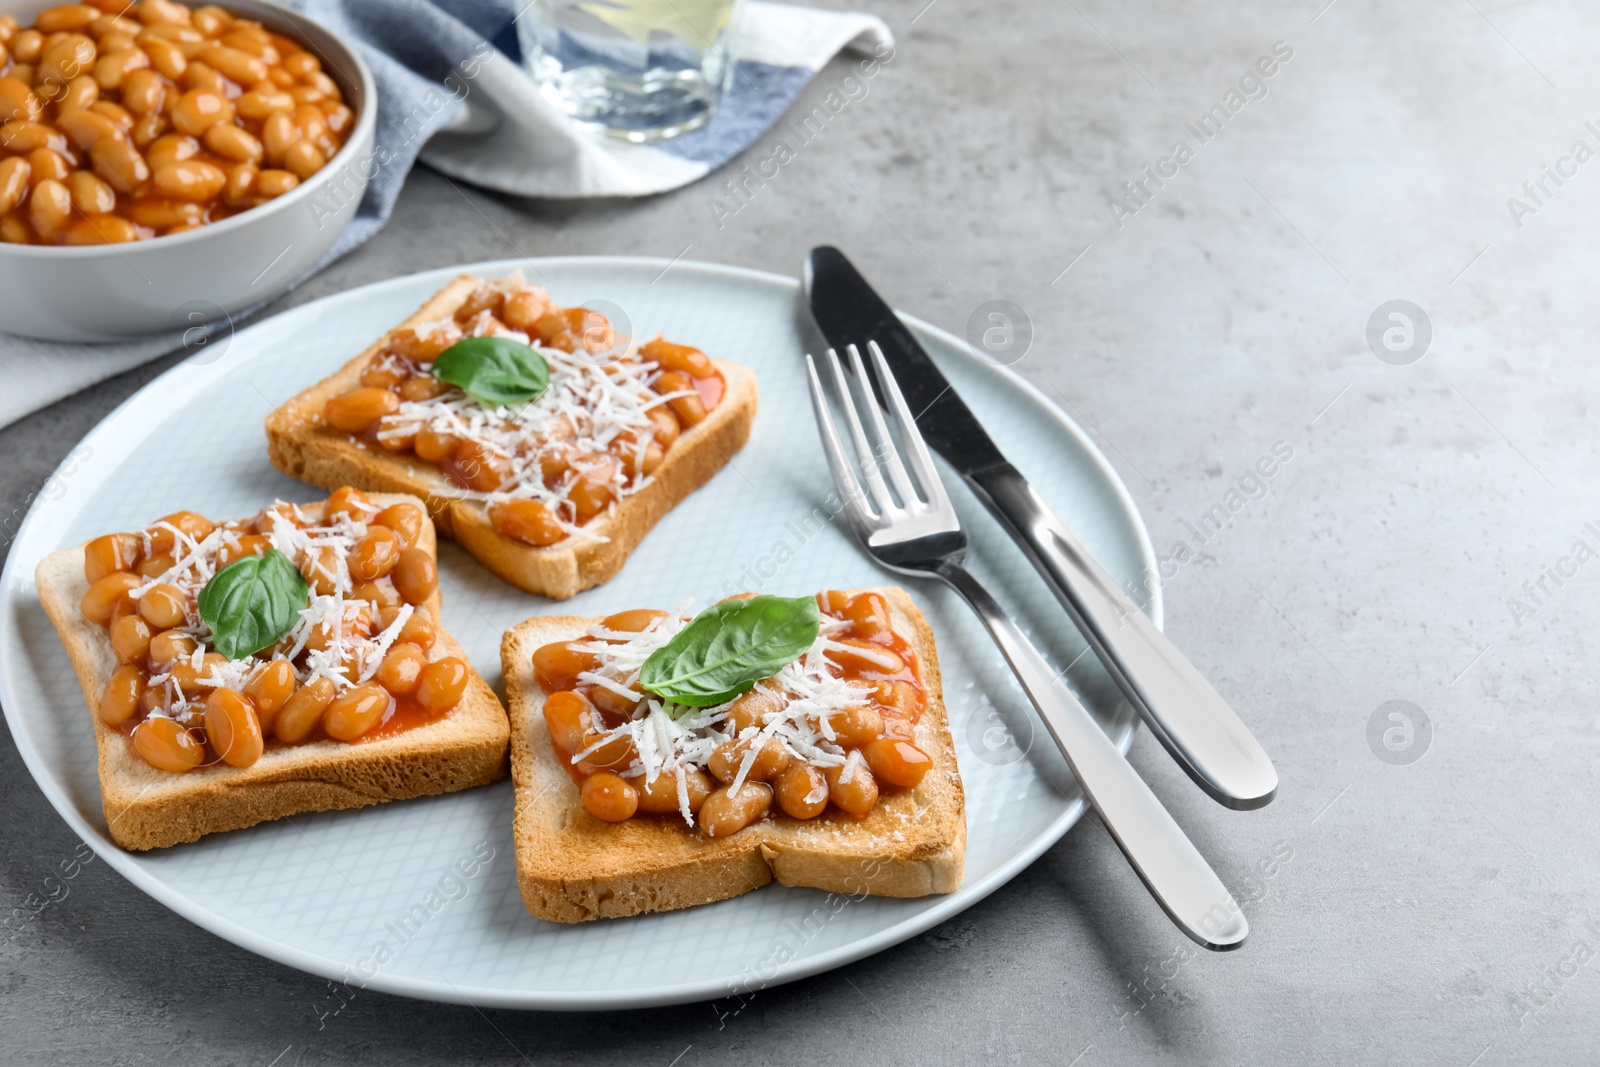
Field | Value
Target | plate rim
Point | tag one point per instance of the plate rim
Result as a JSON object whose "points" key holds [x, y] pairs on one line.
{"points": [[128, 865]]}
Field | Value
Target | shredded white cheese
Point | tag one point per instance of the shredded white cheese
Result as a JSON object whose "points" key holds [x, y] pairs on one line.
{"points": [[337, 613], [672, 739]]}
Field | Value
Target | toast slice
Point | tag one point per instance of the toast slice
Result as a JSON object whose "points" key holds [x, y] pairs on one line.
{"points": [[573, 867], [148, 808], [302, 445]]}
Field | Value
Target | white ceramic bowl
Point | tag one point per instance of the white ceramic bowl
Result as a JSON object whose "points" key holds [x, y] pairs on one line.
{"points": [[120, 291]]}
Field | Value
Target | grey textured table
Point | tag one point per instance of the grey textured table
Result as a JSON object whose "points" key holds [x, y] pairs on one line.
{"points": [[1434, 909]]}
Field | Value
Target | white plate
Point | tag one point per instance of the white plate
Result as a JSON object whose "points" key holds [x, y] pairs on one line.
{"points": [[323, 892]]}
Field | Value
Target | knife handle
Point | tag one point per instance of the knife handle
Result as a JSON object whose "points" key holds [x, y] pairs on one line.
{"points": [[1185, 714]]}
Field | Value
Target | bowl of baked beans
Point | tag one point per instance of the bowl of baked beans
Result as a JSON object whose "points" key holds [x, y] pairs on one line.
{"points": [[164, 165]]}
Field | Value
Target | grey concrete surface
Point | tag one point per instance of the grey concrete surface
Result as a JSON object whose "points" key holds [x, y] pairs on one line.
{"points": [[1434, 911]]}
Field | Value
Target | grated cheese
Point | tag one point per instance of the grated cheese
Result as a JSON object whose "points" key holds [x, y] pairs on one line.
{"points": [[672, 739]]}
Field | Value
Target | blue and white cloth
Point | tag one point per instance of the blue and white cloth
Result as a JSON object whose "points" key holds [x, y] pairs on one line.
{"points": [[452, 91]]}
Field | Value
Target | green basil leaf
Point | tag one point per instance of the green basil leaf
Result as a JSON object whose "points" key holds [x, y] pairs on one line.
{"points": [[729, 648], [252, 602], [494, 371]]}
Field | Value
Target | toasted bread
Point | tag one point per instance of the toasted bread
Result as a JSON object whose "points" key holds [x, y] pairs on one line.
{"points": [[572, 867], [301, 445], [148, 808]]}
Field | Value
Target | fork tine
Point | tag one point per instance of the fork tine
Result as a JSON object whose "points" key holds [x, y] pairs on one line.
{"points": [[921, 459], [844, 477], [886, 450], [882, 502]]}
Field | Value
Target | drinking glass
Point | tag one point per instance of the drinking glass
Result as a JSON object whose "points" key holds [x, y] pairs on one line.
{"points": [[640, 70]]}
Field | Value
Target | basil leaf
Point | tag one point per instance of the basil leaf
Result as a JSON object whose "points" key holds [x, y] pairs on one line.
{"points": [[729, 648], [252, 602], [494, 371]]}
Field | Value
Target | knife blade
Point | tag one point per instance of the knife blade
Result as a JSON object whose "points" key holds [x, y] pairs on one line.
{"points": [[1182, 710]]}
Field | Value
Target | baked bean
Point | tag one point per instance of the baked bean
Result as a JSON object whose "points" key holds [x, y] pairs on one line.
{"points": [[18, 102], [404, 519], [435, 447], [192, 179], [556, 666], [278, 135], [200, 109], [613, 703], [66, 57], [114, 68], [724, 813], [688, 409], [90, 194], [146, 128], [302, 712], [167, 746], [109, 553], [527, 521], [897, 762], [401, 668], [751, 709], [15, 230], [632, 622], [248, 545], [661, 795], [419, 630], [857, 726], [170, 646], [153, 701], [65, 17], [190, 679], [191, 525], [14, 174], [143, 92], [259, 104], [771, 761], [165, 56], [381, 593], [161, 214], [303, 159], [80, 92], [566, 717], [157, 12], [119, 700], [424, 348], [202, 76], [609, 797], [348, 502], [415, 575], [269, 689], [681, 358], [595, 488], [27, 45], [478, 466], [17, 136], [421, 387], [868, 614], [171, 148], [212, 20], [50, 207], [240, 181], [375, 555], [119, 163], [43, 164], [802, 792], [356, 711], [357, 409], [130, 639], [233, 142], [232, 728], [102, 597], [156, 565], [903, 700], [524, 305], [860, 656], [666, 426], [852, 788], [235, 64], [442, 685], [320, 568]]}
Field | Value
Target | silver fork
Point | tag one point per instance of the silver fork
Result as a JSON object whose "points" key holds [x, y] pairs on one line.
{"points": [[919, 534]]}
